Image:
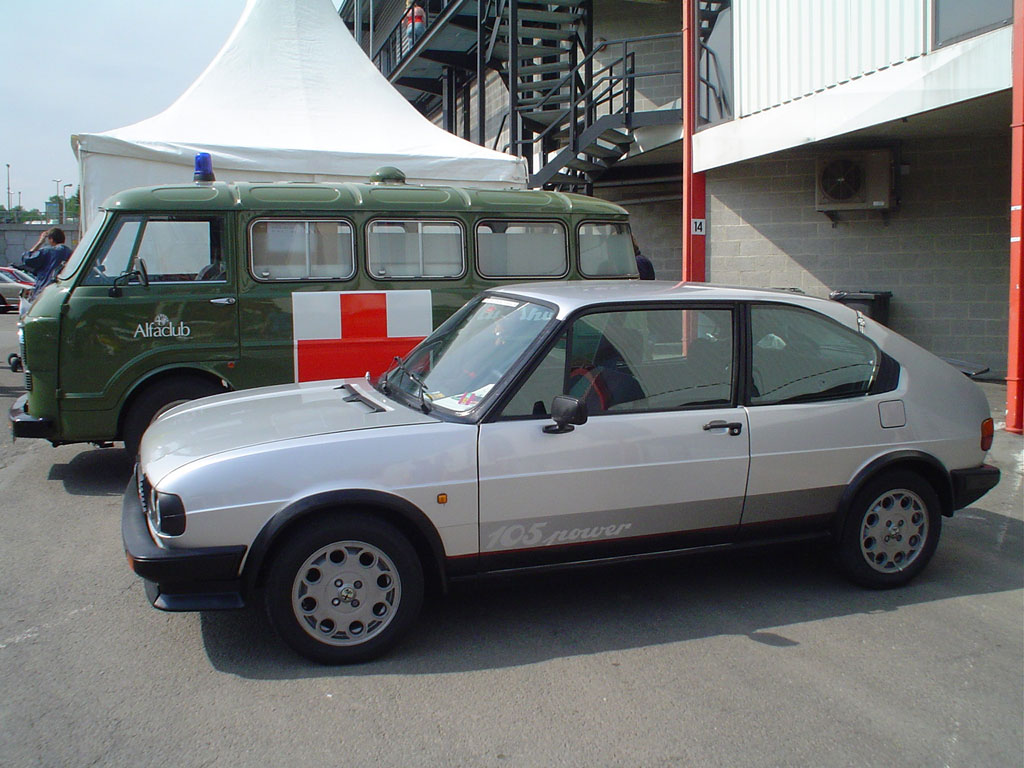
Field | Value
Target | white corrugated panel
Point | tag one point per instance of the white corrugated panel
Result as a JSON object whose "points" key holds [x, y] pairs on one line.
{"points": [[787, 49]]}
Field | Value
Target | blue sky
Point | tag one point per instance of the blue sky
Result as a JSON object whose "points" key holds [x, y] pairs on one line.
{"points": [[92, 65]]}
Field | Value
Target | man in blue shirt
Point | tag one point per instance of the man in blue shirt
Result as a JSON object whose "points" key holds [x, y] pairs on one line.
{"points": [[45, 262]]}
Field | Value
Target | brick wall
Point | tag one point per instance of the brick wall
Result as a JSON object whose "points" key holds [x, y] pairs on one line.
{"points": [[943, 254]]}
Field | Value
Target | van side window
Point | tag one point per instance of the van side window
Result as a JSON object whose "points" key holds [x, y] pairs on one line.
{"points": [[302, 250], [606, 250], [521, 249], [414, 249], [174, 250]]}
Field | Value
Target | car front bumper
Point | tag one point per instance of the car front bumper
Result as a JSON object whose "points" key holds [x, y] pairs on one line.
{"points": [[25, 425], [202, 579], [969, 485]]}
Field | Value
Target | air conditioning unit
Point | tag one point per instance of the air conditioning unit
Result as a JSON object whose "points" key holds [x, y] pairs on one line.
{"points": [[852, 181]]}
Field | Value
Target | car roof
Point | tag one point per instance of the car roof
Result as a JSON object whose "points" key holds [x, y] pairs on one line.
{"points": [[576, 294]]}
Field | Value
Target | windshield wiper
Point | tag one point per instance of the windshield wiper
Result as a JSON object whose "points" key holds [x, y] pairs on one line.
{"points": [[422, 394]]}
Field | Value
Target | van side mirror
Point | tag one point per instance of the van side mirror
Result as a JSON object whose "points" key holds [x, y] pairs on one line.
{"points": [[566, 411], [138, 273]]}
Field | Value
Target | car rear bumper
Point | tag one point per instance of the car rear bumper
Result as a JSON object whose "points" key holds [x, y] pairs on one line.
{"points": [[25, 425], [179, 579], [969, 485]]}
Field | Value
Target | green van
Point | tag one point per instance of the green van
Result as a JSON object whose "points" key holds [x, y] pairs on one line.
{"points": [[184, 291]]}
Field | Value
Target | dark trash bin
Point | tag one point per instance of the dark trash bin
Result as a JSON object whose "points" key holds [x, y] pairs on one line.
{"points": [[874, 304]]}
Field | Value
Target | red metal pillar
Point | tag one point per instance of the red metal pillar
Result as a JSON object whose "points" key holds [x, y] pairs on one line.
{"points": [[1015, 358], [694, 202]]}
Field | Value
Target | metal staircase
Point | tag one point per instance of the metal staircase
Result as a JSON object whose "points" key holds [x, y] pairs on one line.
{"points": [[571, 104]]}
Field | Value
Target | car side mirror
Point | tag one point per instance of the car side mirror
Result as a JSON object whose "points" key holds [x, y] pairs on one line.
{"points": [[566, 411]]}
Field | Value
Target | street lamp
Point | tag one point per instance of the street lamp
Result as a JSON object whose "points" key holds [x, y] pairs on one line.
{"points": [[60, 214], [9, 199], [64, 200]]}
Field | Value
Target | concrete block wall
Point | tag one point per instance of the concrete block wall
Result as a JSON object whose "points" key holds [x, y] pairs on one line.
{"points": [[15, 239], [943, 253]]}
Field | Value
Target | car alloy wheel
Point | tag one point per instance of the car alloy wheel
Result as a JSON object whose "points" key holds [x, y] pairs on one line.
{"points": [[343, 587], [891, 530], [894, 530], [346, 593]]}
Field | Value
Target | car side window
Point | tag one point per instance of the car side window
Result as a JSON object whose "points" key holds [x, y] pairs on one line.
{"points": [[302, 250], [174, 250], [415, 250], [521, 249], [798, 356], [637, 360]]}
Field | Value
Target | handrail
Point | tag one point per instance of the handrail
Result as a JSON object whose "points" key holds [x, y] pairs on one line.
{"points": [[611, 91]]}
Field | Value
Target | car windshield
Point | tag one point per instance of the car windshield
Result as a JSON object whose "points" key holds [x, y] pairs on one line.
{"points": [[457, 366], [81, 250]]}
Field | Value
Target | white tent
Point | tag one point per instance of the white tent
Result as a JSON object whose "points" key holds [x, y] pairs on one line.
{"points": [[290, 96]]}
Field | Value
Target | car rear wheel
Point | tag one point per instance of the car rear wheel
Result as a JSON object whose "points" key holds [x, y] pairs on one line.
{"points": [[344, 589], [891, 532]]}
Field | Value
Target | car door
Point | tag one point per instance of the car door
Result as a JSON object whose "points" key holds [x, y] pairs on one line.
{"points": [[112, 335], [813, 418], [661, 462]]}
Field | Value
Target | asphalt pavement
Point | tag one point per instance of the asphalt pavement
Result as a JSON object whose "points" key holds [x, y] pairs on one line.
{"points": [[766, 658]]}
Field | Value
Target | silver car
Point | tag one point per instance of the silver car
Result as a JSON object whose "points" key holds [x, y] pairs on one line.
{"points": [[553, 424], [10, 292]]}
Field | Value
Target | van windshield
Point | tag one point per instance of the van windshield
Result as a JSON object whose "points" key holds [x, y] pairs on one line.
{"points": [[82, 249], [456, 367]]}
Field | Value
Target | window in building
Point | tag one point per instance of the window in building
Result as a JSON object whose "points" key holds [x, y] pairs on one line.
{"points": [[955, 20]]}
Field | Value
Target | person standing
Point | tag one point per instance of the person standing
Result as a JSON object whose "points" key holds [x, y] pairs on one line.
{"points": [[45, 260]]}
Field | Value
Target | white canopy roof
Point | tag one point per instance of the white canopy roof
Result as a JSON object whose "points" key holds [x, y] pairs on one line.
{"points": [[290, 96]]}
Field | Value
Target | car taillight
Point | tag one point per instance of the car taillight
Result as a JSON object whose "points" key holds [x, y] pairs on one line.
{"points": [[987, 431]]}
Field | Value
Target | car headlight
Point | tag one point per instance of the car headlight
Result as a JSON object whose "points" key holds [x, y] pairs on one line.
{"points": [[168, 514]]}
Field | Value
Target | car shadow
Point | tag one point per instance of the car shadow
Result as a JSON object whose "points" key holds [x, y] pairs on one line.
{"points": [[509, 622], [99, 472]]}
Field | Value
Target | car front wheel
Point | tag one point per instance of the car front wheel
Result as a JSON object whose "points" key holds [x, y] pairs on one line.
{"points": [[891, 531], [344, 588]]}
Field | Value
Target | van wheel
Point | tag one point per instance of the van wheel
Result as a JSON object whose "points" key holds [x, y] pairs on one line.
{"points": [[343, 589], [158, 398], [891, 532]]}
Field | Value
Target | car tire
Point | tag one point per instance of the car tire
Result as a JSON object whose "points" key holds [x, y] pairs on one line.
{"points": [[344, 588], [5, 305], [891, 531], [158, 398]]}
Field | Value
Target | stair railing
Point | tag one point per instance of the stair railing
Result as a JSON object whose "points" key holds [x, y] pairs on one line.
{"points": [[612, 91]]}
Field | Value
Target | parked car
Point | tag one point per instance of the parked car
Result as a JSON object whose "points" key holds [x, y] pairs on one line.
{"points": [[19, 275], [550, 424], [10, 293]]}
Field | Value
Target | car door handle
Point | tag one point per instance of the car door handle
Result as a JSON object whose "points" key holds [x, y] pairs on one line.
{"points": [[734, 427], [225, 300]]}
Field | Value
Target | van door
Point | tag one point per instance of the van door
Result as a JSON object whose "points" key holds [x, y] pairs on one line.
{"points": [[185, 316]]}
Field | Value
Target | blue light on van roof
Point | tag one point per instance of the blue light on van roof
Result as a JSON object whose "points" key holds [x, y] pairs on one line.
{"points": [[204, 167]]}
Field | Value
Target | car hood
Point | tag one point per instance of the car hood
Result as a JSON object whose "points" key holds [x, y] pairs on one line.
{"points": [[212, 425]]}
